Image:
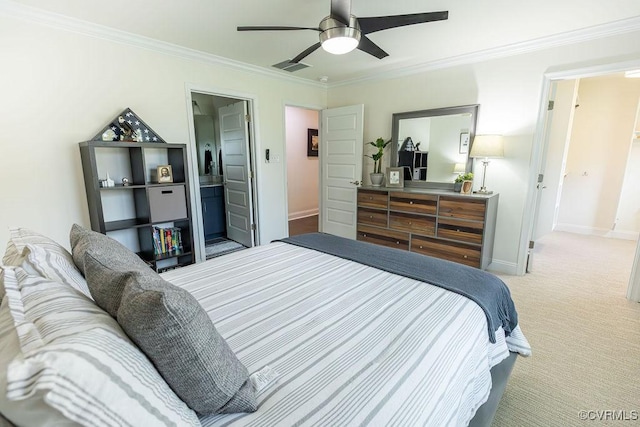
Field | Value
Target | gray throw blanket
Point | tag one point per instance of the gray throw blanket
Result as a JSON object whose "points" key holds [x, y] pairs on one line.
{"points": [[485, 289]]}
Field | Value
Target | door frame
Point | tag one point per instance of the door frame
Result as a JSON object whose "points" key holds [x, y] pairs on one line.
{"points": [[530, 210], [319, 109], [192, 158]]}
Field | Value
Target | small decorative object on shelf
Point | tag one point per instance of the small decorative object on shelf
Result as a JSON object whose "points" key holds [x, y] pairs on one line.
{"points": [[395, 177], [458, 185], [127, 126], [125, 181], [377, 177], [165, 174], [109, 182]]}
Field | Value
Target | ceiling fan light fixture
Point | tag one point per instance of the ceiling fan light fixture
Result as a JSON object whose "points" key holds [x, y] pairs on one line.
{"points": [[337, 38]]}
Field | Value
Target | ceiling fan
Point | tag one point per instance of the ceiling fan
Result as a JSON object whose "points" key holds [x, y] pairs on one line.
{"points": [[341, 32]]}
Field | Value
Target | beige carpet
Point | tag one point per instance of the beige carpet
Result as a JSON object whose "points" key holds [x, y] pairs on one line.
{"points": [[584, 334]]}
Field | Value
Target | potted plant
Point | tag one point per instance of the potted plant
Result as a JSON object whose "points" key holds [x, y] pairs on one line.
{"points": [[377, 176], [460, 180]]}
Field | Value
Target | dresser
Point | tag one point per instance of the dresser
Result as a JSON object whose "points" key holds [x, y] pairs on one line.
{"points": [[438, 223]]}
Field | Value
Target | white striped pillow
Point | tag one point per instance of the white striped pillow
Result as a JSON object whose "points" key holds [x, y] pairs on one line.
{"points": [[43, 256], [76, 356]]}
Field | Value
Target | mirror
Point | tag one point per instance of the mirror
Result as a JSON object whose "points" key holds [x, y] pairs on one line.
{"points": [[429, 143]]}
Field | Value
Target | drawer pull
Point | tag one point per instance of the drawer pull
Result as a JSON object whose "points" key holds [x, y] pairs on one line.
{"points": [[465, 257], [371, 216], [409, 222], [364, 235], [397, 243], [167, 191], [370, 197], [411, 202], [420, 247], [457, 230]]}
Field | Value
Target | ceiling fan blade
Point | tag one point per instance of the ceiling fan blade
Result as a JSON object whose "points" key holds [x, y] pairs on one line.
{"points": [[341, 10], [275, 28], [379, 23], [305, 53], [366, 45]]}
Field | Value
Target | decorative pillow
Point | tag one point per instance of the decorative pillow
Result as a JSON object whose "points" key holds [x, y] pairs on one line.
{"points": [[110, 250], [75, 358], [44, 257], [168, 324], [113, 256], [30, 412]]}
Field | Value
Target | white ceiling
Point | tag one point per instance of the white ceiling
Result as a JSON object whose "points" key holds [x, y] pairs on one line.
{"points": [[474, 27]]}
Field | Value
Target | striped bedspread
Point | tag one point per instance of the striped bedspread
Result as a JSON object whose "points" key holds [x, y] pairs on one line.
{"points": [[352, 345]]}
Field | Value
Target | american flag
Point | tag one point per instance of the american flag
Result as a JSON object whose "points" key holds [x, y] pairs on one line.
{"points": [[130, 128]]}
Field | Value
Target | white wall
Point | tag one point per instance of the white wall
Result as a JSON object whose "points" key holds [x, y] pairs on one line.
{"points": [[628, 216], [600, 141], [302, 171], [59, 88], [509, 93]]}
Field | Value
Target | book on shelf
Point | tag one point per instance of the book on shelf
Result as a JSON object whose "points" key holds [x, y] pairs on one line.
{"points": [[167, 240]]}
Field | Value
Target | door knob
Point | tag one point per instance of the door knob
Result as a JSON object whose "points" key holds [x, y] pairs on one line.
{"points": [[355, 182]]}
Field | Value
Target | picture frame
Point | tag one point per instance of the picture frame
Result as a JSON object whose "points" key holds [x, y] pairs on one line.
{"points": [[312, 142], [164, 173], [464, 143], [394, 177]]}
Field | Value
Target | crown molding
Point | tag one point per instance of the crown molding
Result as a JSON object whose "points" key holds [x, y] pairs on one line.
{"points": [[62, 22], [571, 37], [66, 23]]}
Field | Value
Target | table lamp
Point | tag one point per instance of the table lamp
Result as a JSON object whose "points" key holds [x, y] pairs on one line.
{"points": [[486, 146]]}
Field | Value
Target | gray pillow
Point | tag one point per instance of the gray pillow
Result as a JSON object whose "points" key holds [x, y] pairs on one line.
{"points": [[105, 248], [168, 324]]}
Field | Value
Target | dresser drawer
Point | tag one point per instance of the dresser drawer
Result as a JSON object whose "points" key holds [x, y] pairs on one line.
{"points": [[417, 203], [384, 237], [425, 225], [372, 199], [461, 208], [452, 251], [459, 229], [372, 217]]}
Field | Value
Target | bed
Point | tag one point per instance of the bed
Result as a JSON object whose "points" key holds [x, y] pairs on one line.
{"points": [[333, 341]]}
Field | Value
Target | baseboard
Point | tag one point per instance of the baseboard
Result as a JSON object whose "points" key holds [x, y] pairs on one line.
{"points": [[303, 214], [600, 232], [503, 267]]}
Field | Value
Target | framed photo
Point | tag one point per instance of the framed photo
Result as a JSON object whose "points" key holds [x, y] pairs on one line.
{"points": [[464, 142], [395, 177], [165, 174], [312, 142]]}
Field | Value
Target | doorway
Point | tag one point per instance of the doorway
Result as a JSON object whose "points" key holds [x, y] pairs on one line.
{"points": [[303, 188], [224, 157], [589, 159]]}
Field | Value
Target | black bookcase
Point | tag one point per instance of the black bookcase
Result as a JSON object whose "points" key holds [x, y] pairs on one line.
{"points": [[130, 213]]}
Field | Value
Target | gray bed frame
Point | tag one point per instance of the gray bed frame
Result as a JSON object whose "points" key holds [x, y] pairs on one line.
{"points": [[499, 377]]}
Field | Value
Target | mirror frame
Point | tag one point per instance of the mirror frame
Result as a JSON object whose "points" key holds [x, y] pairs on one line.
{"points": [[395, 127]]}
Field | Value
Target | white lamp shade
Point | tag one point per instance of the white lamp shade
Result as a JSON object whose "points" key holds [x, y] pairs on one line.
{"points": [[487, 146]]}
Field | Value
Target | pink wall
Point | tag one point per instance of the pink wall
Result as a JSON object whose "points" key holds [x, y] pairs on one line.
{"points": [[302, 171]]}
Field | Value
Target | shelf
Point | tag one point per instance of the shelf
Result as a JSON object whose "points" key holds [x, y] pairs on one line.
{"points": [[123, 187], [123, 224], [136, 208]]}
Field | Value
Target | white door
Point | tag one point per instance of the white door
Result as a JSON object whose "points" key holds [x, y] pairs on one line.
{"points": [[236, 172], [341, 145]]}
